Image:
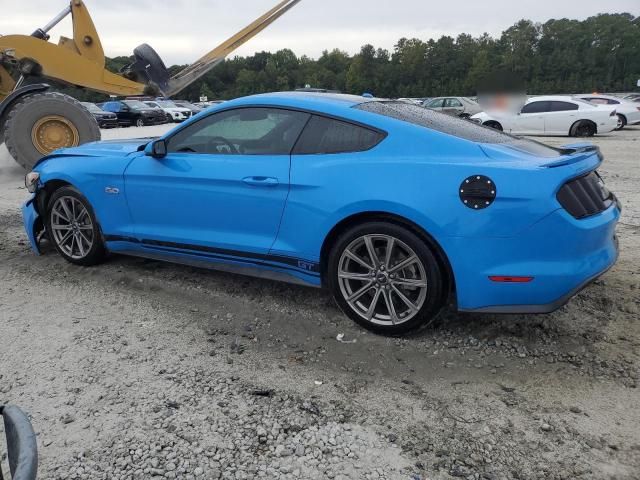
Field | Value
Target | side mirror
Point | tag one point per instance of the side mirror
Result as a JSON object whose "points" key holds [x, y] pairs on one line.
{"points": [[156, 149], [21, 444]]}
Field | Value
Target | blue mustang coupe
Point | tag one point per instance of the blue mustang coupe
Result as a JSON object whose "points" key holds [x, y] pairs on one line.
{"points": [[396, 209]]}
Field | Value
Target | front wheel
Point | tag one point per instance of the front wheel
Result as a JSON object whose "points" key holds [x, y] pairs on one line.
{"points": [[73, 229], [385, 278], [139, 122]]}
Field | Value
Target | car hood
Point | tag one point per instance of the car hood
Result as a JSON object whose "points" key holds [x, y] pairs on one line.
{"points": [[105, 148]]}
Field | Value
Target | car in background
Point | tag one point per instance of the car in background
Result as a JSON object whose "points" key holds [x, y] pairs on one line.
{"points": [[188, 105], [305, 187], [628, 112], [105, 119], [634, 97], [134, 113], [175, 113], [211, 103], [462, 107], [412, 100], [552, 116]]}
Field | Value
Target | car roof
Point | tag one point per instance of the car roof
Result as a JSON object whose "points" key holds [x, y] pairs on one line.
{"points": [[549, 98], [308, 100]]}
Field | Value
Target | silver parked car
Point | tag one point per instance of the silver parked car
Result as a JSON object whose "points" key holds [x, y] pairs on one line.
{"points": [[462, 107]]}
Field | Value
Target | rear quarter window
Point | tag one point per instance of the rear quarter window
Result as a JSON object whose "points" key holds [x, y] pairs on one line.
{"points": [[327, 136]]}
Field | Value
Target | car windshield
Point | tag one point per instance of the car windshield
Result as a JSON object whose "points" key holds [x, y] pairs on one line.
{"points": [[455, 126], [186, 105], [92, 107], [137, 105]]}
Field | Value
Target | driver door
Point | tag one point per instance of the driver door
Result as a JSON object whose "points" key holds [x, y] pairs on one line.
{"points": [[223, 183]]}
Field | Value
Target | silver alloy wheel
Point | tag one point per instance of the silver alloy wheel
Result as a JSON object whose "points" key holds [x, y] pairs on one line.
{"points": [[620, 123], [72, 227], [140, 123], [382, 279]]}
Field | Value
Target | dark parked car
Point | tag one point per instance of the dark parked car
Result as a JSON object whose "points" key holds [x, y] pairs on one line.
{"points": [[104, 119], [134, 112]]}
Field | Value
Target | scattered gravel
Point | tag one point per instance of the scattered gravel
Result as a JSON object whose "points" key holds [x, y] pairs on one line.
{"points": [[144, 370]]}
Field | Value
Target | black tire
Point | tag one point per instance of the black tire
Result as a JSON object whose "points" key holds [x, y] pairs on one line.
{"points": [[583, 128], [428, 300], [23, 116], [139, 122], [94, 254], [622, 122], [493, 124], [465, 116]]}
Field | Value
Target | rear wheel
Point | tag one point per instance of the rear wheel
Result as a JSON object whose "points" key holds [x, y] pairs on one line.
{"points": [[39, 124], [385, 278], [139, 122], [494, 125], [73, 228], [622, 122], [583, 128]]}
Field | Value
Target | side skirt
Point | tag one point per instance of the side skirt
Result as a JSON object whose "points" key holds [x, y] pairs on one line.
{"points": [[247, 266]]}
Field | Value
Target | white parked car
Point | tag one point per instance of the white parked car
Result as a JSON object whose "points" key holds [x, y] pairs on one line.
{"points": [[628, 112], [553, 116], [177, 114]]}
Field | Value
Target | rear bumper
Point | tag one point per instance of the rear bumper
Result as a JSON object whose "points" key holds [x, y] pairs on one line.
{"points": [[562, 254]]}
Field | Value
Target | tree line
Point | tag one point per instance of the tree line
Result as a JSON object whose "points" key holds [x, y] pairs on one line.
{"points": [[601, 53]]}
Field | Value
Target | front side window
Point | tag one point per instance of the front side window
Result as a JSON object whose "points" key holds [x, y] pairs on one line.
{"points": [[453, 103], [536, 107], [244, 131], [327, 136]]}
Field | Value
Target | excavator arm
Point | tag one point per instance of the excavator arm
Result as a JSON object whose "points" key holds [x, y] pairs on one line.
{"points": [[80, 61], [195, 71]]}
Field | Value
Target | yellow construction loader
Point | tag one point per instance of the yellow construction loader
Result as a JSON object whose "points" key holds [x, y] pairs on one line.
{"points": [[35, 121]]}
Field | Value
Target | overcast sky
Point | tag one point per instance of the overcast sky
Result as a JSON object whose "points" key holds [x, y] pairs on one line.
{"points": [[182, 30]]}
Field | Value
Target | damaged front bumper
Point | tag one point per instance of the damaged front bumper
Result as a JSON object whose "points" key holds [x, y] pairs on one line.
{"points": [[32, 223]]}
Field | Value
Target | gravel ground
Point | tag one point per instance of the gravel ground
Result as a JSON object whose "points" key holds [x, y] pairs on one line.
{"points": [[139, 369]]}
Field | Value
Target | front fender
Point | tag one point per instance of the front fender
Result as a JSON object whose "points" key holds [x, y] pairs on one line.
{"points": [[100, 180]]}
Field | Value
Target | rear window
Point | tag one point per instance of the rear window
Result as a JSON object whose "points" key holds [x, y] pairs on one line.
{"points": [[436, 121], [326, 136], [457, 127]]}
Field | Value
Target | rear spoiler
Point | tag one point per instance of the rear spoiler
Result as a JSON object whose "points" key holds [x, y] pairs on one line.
{"points": [[21, 444], [575, 153]]}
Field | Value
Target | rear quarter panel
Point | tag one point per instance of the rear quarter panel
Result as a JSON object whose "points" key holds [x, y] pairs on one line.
{"points": [[416, 174]]}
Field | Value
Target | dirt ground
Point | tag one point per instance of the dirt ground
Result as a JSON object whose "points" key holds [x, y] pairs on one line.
{"points": [[139, 369]]}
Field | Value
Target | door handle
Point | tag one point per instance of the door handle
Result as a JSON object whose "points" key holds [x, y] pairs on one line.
{"points": [[261, 181]]}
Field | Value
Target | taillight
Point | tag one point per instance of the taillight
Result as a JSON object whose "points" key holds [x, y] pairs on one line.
{"points": [[614, 113]]}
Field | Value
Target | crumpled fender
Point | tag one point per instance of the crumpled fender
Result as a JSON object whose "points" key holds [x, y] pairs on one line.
{"points": [[30, 218]]}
